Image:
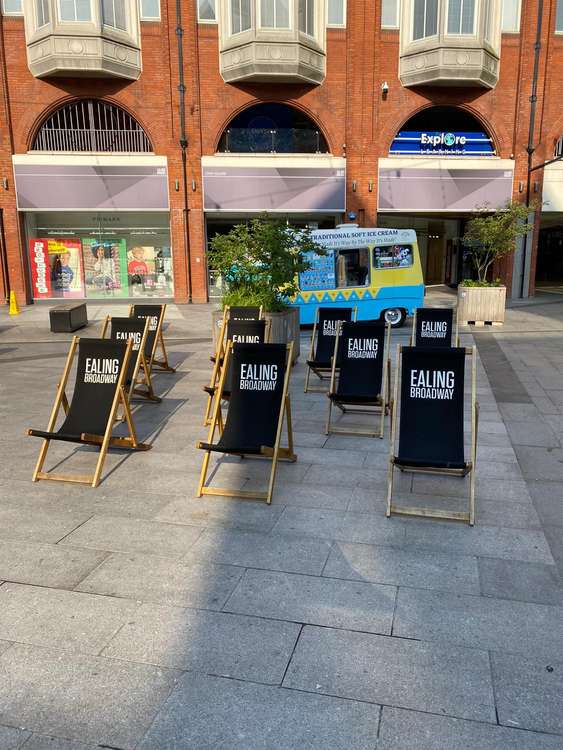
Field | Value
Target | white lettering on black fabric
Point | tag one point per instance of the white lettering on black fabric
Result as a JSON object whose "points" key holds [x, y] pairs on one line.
{"points": [[432, 384], [362, 348], [244, 338], [435, 330], [258, 377], [330, 327], [125, 335], [101, 370]]}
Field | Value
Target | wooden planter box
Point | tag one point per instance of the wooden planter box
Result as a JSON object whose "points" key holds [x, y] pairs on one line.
{"points": [[284, 327], [481, 304]]}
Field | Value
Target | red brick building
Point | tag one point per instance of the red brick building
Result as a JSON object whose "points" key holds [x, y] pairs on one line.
{"points": [[319, 112]]}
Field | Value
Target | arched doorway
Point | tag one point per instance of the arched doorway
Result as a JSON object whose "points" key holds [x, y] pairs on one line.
{"points": [[442, 166], [94, 198], [272, 128]]}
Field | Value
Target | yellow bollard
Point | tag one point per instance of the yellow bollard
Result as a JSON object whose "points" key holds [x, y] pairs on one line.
{"points": [[14, 309]]}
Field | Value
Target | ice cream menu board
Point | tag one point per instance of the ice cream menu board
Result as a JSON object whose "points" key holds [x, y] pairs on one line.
{"points": [[321, 273]]}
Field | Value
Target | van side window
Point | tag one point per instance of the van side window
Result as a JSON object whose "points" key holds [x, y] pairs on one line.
{"points": [[351, 267], [392, 256]]}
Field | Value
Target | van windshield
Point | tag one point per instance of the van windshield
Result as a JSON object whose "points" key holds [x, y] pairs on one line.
{"points": [[392, 256]]}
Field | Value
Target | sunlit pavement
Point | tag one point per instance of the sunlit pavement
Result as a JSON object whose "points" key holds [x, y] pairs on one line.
{"points": [[138, 616]]}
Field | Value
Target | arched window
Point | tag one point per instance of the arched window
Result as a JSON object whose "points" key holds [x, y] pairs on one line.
{"points": [[442, 131], [272, 128], [94, 126]]}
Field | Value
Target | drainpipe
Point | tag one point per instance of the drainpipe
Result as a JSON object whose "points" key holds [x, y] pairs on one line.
{"points": [[183, 139], [3, 248], [530, 148]]}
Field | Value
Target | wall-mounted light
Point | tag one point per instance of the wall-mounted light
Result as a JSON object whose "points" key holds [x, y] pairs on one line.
{"points": [[370, 186], [520, 186], [5, 183], [384, 88], [177, 185], [536, 186], [194, 186], [354, 186]]}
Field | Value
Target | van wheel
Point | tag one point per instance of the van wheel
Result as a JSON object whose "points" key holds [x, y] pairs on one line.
{"points": [[395, 316]]}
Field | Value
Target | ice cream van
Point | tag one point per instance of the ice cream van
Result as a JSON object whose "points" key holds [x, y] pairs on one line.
{"points": [[376, 270]]}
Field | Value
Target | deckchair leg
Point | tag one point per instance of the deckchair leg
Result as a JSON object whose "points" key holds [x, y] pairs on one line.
{"points": [[127, 418], [289, 425], [389, 488], [382, 421], [307, 376], [41, 460], [203, 473], [327, 431]]}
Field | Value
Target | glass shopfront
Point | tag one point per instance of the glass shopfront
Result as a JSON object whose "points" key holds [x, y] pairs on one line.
{"points": [[99, 255]]}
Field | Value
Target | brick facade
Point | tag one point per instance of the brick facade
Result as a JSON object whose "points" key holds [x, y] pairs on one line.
{"points": [[349, 108]]}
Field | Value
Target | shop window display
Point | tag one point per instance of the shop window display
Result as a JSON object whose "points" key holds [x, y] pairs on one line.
{"points": [[90, 263]]}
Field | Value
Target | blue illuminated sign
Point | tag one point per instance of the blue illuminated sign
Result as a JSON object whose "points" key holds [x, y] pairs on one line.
{"points": [[441, 143]]}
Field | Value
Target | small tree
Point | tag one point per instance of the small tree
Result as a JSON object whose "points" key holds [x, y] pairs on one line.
{"points": [[490, 236], [260, 260]]}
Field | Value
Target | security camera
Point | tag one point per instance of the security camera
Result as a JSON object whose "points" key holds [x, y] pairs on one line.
{"points": [[384, 87]]}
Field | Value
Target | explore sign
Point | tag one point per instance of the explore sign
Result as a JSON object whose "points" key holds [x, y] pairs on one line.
{"points": [[441, 143]]}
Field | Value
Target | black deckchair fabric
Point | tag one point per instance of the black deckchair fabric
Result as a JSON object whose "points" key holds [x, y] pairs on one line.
{"points": [[432, 406], [99, 365], [361, 352], [241, 331], [327, 328], [244, 313], [154, 314], [123, 329], [434, 326], [256, 399]]}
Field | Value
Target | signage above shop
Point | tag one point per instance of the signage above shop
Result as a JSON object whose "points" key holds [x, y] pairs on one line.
{"points": [[441, 143]]}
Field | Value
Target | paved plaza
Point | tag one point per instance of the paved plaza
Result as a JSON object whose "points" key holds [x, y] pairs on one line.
{"points": [[136, 616]]}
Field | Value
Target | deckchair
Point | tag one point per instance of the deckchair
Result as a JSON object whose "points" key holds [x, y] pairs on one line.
{"points": [[434, 327], [98, 392], [155, 338], [361, 382], [239, 330], [326, 325], [430, 383], [231, 312], [138, 379], [258, 404]]}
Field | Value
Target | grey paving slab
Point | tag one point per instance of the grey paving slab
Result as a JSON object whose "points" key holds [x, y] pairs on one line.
{"points": [[486, 488], [547, 497], [60, 619], [402, 567], [325, 496], [46, 564], [529, 692], [160, 579], [134, 535], [538, 464], [518, 412], [253, 550], [488, 541], [342, 526], [12, 738], [42, 742], [228, 645], [429, 677], [90, 699], [479, 622], [532, 434], [354, 605], [221, 512], [412, 730], [210, 712], [527, 582], [38, 525]]}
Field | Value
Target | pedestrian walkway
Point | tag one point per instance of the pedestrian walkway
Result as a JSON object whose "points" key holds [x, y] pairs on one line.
{"points": [[137, 616]]}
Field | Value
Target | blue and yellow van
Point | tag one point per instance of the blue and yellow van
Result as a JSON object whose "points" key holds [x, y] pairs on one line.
{"points": [[376, 270]]}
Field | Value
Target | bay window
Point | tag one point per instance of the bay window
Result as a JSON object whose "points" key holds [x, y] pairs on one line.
{"points": [[307, 17], [461, 16], [274, 14], [425, 18], [240, 16], [75, 10]]}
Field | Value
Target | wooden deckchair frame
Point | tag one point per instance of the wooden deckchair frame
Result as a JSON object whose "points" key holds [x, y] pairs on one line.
{"points": [[161, 364], [470, 468], [381, 409], [141, 374], [220, 342], [455, 327], [323, 373], [275, 454], [218, 366], [105, 441]]}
